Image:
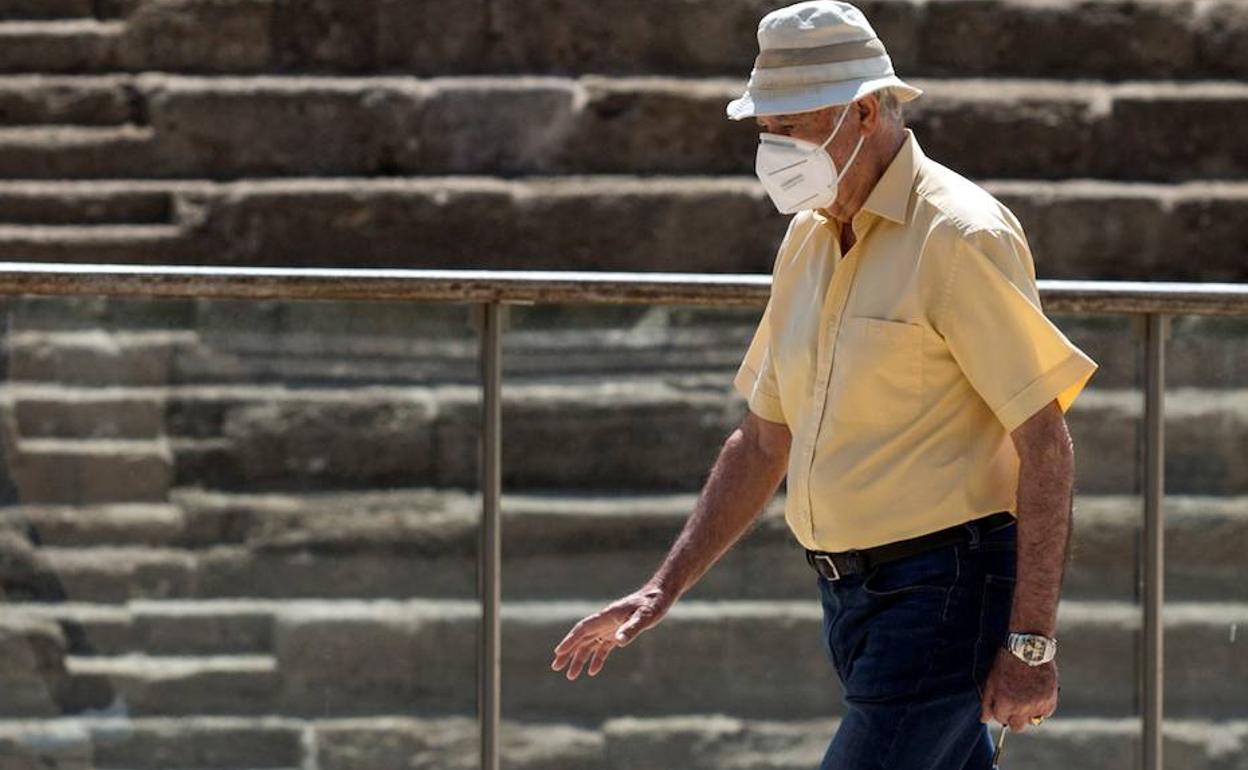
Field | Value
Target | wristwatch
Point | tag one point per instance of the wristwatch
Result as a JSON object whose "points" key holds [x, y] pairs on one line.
{"points": [[1032, 649]]}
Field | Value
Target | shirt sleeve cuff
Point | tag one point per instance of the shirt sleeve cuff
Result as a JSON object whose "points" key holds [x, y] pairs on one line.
{"points": [[1063, 382], [760, 402]]}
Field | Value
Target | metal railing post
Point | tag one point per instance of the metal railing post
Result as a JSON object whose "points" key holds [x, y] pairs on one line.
{"points": [[490, 317], [1152, 671]]}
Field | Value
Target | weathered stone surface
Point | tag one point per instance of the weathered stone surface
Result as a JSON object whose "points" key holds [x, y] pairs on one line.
{"points": [[685, 658], [709, 742], [547, 342], [1077, 230], [324, 545], [374, 658], [93, 471], [59, 46], [451, 743], [45, 9], [37, 203], [118, 574], [434, 38], [86, 417], [1152, 141], [590, 439], [95, 357], [175, 686], [272, 127], [1150, 39], [200, 742], [45, 745], [32, 666], [36, 99], [353, 442], [198, 36], [224, 128], [119, 524]]}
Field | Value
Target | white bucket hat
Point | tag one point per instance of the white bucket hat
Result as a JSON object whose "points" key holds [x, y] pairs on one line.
{"points": [[814, 55]]}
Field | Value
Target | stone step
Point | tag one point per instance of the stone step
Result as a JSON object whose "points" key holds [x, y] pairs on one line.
{"points": [[423, 543], [175, 686], [48, 100], [557, 126], [161, 628], [37, 203], [247, 344], [95, 413], [269, 438], [1077, 229], [422, 655], [94, 357], [92, 471], [153, 525], [154, 743], [598, 425], [1025, 38], [697, 741], [59, 45], [693, 741], [45, 9]]}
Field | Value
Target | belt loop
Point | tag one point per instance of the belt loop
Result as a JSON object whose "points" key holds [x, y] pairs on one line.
{"points": [[974, 530]]}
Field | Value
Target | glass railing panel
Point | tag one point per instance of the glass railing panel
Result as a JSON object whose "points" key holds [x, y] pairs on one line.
{"points": [[238, 534]]}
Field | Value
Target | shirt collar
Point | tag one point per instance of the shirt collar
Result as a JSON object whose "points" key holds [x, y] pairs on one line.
{"points": [[890, 198]]}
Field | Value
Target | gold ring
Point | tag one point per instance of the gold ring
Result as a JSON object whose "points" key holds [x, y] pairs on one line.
{"points": [[1037, 720]]}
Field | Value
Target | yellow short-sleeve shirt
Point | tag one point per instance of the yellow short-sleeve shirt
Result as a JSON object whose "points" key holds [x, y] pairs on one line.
{"points": [[901, 366]]}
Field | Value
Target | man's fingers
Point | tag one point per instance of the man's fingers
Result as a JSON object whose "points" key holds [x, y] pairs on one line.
{"points": [[599, 658], [577, 634], [1018, 723], [578, 660]]}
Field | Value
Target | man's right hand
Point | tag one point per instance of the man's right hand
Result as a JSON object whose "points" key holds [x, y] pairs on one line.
{"points": [[615, 625]]}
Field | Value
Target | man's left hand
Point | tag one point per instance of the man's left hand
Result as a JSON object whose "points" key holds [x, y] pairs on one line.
{"points": [[1016, 692]]}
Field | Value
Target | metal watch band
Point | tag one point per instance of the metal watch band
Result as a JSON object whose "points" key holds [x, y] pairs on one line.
{"points": [[1032, 649]]}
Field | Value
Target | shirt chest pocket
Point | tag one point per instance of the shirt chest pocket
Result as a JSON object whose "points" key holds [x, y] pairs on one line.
{"points": [[877, 374]]}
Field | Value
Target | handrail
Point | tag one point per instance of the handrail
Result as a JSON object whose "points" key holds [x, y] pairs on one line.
{"points": [[546, 286], [490, 289]]}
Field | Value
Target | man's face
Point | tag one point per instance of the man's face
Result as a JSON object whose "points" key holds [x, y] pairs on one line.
{"points": [[815, 127], [810, 126]]}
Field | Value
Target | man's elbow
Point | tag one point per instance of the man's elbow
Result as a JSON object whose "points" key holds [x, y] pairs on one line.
{"points": [[1044, 441]]}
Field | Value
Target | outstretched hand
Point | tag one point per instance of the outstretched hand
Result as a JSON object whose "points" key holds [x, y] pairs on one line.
{"points": [[595, 636]]}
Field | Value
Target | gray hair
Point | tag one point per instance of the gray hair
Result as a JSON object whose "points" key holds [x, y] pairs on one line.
{"points": [[891, 106]]}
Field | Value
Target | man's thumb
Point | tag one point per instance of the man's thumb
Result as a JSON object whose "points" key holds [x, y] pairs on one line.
{"points": [[627, 631]]}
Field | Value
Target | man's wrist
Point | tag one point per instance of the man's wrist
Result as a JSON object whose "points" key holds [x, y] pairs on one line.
{"points": [[1032, 648]]}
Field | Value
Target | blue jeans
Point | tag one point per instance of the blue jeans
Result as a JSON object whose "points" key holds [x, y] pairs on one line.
{"points": [[912, 642]]}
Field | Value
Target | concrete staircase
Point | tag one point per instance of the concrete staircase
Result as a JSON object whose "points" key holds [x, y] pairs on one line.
{"points": [[243, 535]]}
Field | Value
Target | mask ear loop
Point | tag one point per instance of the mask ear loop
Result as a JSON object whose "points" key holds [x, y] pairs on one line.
{"points": [[837, 128], [841, 174]]}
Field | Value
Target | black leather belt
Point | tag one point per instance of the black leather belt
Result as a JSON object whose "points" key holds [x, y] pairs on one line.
{"points": [[835, 565]]}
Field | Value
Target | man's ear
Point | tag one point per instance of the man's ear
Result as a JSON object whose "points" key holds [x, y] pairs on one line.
{"points": [[869, 113]]}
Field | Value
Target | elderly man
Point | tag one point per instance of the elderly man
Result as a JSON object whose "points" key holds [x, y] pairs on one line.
{"points": [[905, 378]]}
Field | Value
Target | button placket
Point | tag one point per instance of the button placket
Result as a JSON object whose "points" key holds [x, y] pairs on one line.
{"points": [[838, 291]]}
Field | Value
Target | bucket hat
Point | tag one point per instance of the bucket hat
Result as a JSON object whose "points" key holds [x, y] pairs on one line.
{"points": [[813, 55]]}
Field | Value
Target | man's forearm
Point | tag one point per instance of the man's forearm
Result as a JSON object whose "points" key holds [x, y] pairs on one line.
{"points": [[741, 482], [1045, 504]]}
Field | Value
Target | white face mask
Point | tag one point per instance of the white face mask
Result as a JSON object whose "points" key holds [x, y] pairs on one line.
{"points": [[797, 174]]}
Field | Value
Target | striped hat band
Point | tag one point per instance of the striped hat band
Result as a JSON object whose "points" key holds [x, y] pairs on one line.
{"points": [[823, 54]]}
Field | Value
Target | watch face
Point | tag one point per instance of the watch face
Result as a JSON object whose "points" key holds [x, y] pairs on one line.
{"points": [[1034, 648]]}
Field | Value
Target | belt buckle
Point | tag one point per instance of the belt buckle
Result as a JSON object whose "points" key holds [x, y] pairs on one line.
{"points": [[836, 573]]}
